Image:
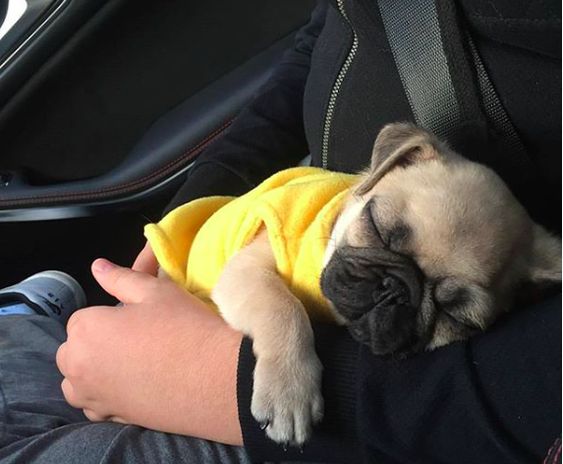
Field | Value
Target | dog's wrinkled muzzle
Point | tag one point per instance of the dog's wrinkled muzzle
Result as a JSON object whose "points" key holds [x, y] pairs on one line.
{"points": [[379, 293]]}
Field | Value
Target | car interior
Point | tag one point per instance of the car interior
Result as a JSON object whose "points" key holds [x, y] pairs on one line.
{"points": [[104, 106]]}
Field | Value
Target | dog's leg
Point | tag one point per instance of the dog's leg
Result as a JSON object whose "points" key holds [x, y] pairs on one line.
{"points": [[253, 298]]}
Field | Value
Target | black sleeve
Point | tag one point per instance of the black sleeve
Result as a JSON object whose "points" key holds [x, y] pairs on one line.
{"points": [[266, 136], [495, 398]]}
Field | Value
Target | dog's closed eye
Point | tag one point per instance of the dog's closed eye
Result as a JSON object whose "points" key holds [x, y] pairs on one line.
{"points": [[461, 303], [397, 237], [392, 232], [394, 237], [449, 293]]}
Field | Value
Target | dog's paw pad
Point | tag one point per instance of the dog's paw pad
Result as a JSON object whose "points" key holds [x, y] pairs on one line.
{"points": [[287, 401]]}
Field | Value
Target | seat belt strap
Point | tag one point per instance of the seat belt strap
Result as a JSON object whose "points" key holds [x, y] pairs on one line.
{"points": [[414, 36], [450, 92], [497, 114]]}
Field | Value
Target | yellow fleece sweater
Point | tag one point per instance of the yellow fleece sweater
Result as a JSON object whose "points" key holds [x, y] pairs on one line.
{"points": [[297, 207]]}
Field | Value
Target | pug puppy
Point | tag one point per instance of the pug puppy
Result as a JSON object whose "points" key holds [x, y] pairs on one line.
{"points": [[429, 248]]}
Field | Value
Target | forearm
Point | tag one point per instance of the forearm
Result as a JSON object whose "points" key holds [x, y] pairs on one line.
{"points": [[206, 408], [493, 399]]}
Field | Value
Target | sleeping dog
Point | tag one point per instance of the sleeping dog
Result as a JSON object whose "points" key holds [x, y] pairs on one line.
{"points": [[422, 249]]}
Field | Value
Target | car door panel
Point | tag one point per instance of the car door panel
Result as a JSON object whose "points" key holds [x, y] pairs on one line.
{"points": [[83, 110], [166, 149], [103, 112]]}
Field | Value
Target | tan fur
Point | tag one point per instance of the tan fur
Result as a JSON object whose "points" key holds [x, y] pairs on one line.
{"points": [[253, 298], [466, 226]]}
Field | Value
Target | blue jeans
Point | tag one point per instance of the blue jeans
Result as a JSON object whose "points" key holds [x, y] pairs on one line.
{"points": [[37, 425]]}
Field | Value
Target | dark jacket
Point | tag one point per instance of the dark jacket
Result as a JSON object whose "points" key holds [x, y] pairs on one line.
{"points": [[495, 398]]}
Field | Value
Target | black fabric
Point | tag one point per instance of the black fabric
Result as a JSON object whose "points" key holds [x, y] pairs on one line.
{"points": [[450, 93], [272, 129], [520, 45], [493, 399], [371, 94], [533, 26], [336, 437], [266, 136]]}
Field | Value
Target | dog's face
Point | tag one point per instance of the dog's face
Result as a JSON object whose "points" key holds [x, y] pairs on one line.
{"points": [[430, 248]]}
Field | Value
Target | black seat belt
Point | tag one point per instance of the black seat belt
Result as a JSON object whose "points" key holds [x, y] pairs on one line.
{"points": [[496, 112], [450, 92], [423, 51]]}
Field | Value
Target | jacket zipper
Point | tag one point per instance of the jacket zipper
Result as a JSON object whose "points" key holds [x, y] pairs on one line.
{"points": [[336, 87]]}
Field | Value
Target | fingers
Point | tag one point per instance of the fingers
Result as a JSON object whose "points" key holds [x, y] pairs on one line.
{"points": [[81, 324], [126, 285], [146, 261], [95, 416], [76, 402], [69, 394], [60, 359]]}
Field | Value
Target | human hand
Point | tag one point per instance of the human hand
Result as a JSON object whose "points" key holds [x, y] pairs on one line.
{"points": [[163, 361], [146, 261]]}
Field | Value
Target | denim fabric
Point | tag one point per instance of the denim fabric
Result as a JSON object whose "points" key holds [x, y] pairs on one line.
{"points": [[38, 426]]}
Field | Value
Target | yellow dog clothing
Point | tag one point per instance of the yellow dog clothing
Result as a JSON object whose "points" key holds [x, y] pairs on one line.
{"points": [[297, 207]]}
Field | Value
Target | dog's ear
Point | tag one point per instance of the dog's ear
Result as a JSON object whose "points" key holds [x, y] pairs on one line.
{"points": [[545, 265], [399, 145]]}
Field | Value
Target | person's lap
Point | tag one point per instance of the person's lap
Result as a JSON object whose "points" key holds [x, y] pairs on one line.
{"points": [[38, 425]]}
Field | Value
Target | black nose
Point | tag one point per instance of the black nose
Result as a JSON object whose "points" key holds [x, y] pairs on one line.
{"points": [[390, 326], [379, 293]]}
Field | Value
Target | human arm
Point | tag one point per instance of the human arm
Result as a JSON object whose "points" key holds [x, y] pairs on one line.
{"points": [[268, 135], [164, 360], [495, 398]]}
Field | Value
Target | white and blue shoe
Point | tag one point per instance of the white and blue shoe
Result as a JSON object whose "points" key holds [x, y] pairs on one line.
{"points": [[50, 293]]}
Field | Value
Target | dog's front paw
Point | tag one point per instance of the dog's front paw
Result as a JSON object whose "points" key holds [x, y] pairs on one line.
{"points": [[287, 398]]}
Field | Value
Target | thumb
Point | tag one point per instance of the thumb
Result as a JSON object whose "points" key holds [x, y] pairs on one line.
{"points": [[146, 261], [126, 285]]}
